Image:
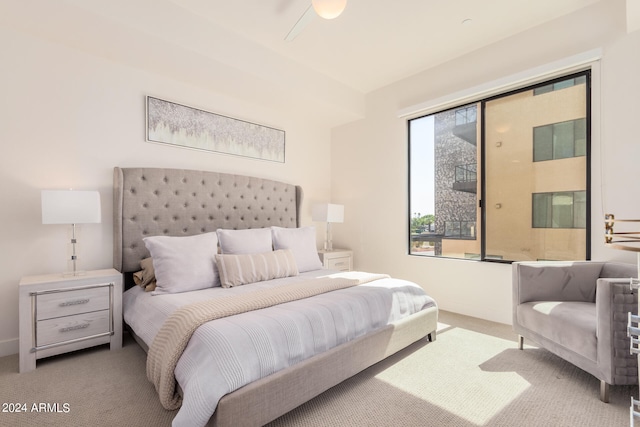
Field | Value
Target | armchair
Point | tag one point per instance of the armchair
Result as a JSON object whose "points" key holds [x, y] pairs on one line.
{"points": [[578, 311]]}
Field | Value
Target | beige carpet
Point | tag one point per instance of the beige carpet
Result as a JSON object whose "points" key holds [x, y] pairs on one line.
{"points": [[473, 375]]}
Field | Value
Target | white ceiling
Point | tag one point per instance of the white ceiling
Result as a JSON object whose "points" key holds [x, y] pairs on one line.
{"points": [[376, 42], [331, 64]]}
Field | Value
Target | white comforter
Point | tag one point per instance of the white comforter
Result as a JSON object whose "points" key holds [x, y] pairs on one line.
{"points": [[226, 354]]}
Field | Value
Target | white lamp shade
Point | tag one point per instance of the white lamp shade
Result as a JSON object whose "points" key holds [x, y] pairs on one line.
{"points": [[329, 9], [70, 207], [327, 212]]}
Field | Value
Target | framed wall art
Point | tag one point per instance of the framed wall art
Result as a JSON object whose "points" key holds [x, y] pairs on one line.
{"points": [[179, 125]]}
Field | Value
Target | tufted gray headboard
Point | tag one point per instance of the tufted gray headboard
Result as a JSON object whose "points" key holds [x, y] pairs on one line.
{"points": [[176, 202]]}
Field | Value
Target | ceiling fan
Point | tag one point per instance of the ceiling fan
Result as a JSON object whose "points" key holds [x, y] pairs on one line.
{"points": [[327, 9]]}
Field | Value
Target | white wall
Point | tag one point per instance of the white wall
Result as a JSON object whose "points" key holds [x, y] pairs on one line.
{"points": [[68, 117], [369, 156]]}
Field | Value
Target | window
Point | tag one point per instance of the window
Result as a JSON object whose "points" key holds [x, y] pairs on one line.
{"points": [[559, 85], [466, 115], [560, 140], [559, 210], [505, 178]]}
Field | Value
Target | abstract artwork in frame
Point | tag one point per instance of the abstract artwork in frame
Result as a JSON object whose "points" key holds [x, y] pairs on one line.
{"points": [[175, 124]]}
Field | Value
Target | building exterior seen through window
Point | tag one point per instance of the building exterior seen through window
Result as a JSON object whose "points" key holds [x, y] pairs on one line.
{"points": [[504, 178]]}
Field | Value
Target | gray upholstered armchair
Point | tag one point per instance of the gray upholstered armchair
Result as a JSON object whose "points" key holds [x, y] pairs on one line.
{"points": [[578, 311]]}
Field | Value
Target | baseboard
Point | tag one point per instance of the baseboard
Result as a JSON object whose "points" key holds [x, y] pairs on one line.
{"points": [[9, 347]]}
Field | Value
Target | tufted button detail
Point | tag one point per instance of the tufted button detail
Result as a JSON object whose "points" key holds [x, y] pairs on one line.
{"points": [[156, 192], [165, 231], [165, 179]]}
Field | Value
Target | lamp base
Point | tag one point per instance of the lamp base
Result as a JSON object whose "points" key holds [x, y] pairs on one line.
{"points": [[74, 273]]}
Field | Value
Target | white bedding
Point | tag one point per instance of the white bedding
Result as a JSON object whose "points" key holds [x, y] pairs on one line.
{"points": [[226, 354]]}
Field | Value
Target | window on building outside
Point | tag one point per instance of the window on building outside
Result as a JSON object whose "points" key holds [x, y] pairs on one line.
{"points": [[559, 210], [504, 178], [560, 140]]}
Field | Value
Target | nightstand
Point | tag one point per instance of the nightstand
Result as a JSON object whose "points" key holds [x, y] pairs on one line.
{"points": [[337, 259], [60, 313]]}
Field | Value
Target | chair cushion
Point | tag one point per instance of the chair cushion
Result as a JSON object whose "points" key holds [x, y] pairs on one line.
{"points": [[571, 325]]}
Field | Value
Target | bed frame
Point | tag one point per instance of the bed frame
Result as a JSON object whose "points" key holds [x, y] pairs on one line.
{"points": [[175, 202]]}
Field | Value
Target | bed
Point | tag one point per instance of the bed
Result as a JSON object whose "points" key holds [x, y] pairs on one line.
{"points": [[298, 342]]}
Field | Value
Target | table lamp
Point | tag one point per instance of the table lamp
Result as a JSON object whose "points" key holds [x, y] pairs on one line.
{"points": [[327, 212], [71, 207]]}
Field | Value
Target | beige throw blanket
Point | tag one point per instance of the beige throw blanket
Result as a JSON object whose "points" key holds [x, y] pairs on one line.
{"points": [[175, 333]]}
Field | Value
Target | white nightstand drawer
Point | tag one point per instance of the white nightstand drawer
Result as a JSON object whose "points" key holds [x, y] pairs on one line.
{"points": [[61, 313], [342, 264], [67, 328], [337, 259], [66, 303]]}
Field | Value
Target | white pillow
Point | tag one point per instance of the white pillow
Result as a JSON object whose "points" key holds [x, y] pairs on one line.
{"points": [[183, 264], [249, 241], [302, 242]]}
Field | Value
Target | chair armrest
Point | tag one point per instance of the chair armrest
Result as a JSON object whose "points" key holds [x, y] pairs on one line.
{"points": [[614, 300], [555, 281]]}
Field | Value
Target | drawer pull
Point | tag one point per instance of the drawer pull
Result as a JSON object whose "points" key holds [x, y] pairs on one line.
{"points": [[75, 302], [74, 328], [632, 325]]}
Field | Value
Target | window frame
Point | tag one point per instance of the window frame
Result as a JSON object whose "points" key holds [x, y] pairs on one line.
{"points": [[584, 73]]}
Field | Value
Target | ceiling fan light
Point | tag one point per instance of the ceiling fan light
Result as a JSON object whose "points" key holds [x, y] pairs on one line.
{"points": [[329, 9]]}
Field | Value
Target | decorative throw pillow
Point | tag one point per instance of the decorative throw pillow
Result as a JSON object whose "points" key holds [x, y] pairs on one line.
{"points": [[236, 270], [302, 242], [145, 278], [183, 264], [249, 241]]}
